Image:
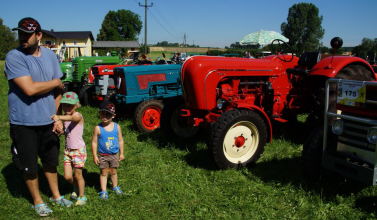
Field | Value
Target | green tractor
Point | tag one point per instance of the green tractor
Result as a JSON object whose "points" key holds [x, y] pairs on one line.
{"points": [[67, 70]]}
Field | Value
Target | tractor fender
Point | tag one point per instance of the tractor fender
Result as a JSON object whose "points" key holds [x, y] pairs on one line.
{"points": [[331, 65], [263, 114]]}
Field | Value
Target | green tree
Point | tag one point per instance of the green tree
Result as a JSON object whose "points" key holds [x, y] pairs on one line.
{"points": [[7, 40], [367, 50], [303, 27], [120, 25]]}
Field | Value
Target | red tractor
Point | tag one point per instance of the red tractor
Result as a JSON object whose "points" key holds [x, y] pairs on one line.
{"points": [[102, 79], [240, 97]]}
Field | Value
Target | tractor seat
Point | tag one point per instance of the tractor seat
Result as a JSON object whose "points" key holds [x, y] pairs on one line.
{"points": [[309, 59], [306, 62]]}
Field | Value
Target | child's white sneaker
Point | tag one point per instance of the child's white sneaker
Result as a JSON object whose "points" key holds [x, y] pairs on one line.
{"points": [[81, 200], [117, 190], [73, 195]]}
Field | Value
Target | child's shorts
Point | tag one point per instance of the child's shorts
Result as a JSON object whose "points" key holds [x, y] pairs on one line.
{"points": [[75, 157], [108, 161]]}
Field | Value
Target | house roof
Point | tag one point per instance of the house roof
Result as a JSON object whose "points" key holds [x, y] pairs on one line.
{"points": [[119, 44], [69, 34]]}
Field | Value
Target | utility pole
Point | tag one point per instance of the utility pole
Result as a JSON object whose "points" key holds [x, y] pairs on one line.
{"points": [[184, 40], [146, 6]]}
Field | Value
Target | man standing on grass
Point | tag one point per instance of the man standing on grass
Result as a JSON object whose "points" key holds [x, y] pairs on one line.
{"points": [[33, 74]]}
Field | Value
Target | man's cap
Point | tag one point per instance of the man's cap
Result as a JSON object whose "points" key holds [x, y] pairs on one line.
{"points": [[70, 98], [28, 25], [107, 107]]}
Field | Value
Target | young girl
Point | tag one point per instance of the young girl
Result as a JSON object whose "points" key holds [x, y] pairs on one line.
{"points": [[75, 149], [107, 148]]}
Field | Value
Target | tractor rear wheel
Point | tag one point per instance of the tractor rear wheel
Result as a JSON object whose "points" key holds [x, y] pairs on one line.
{"points": [[148, 115], [312, 153], [355, 72], [66, 87], [238, 138], [173, 123], [84, 95]]}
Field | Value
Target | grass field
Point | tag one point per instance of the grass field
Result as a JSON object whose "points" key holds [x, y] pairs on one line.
{"points": [[167, 178]]}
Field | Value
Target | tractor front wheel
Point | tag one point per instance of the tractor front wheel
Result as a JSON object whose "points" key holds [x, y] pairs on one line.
{"points": [[238, 138], [148, 115]]}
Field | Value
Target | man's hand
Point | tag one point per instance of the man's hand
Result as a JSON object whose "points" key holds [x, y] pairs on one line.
{"points": [[58, 127], [60, 85]]}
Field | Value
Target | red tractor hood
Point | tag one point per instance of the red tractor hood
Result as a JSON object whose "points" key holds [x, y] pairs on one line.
{"points": [[201, 75]]}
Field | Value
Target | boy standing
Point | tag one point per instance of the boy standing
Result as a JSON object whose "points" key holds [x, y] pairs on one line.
{"points": [[107, 148]]}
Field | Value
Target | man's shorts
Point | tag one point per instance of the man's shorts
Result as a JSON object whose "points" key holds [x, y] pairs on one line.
{"points": [[75, 157], [29, 142], [108, 161]]}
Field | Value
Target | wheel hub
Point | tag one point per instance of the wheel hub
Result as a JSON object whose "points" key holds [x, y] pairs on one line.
{"points": [[239, 141], [151, 118]]}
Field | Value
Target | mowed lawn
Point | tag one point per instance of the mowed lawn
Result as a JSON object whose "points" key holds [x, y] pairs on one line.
{"points": [[168, 178]]}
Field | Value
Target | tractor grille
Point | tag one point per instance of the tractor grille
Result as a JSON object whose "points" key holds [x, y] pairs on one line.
{"points": [[355, 135]]}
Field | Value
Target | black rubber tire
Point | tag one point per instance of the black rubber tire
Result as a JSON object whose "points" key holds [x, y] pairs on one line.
{"points": [[355, 72], [225, 123], [172, 123], [140, 111], [67, 87], [312, 153], [84, 95]]}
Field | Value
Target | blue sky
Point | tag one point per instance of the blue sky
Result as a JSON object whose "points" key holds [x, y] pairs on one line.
{"points": [[212, 23]]}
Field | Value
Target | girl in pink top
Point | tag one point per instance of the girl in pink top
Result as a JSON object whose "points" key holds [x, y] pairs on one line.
{"points": [[75, 149]]}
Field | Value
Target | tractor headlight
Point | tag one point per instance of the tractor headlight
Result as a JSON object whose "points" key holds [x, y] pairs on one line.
{"points": [[220, 103], [337, 127], [372, 135]]}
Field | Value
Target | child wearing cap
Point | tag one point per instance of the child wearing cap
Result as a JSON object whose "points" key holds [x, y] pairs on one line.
{"points": [[107, 148], [75, 149]]}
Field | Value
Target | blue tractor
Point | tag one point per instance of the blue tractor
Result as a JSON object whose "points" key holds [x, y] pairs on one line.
{"points": [[155, 89]]}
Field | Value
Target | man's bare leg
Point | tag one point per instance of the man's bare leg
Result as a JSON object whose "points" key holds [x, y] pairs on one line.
{"points": [[33, 186], [52, 179]]}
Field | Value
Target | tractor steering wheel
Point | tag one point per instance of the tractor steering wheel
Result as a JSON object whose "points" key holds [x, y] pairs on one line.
{"points": [[282, 44]]}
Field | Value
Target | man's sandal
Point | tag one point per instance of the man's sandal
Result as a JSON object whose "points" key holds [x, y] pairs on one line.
{"points": [[42, 209]]}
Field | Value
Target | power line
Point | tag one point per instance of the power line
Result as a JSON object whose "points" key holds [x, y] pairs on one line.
{"points": [[164, 20], [162, 26]]}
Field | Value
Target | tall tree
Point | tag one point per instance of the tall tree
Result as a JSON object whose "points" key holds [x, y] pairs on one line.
{"points": [[367, 50], [120, 25], [7, 40], [303, 27]]}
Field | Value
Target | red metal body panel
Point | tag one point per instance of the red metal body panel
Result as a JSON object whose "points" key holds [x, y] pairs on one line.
{"points": [[103, 70], [107, 69], [91, 76], [144, 80], [331, 65]]}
